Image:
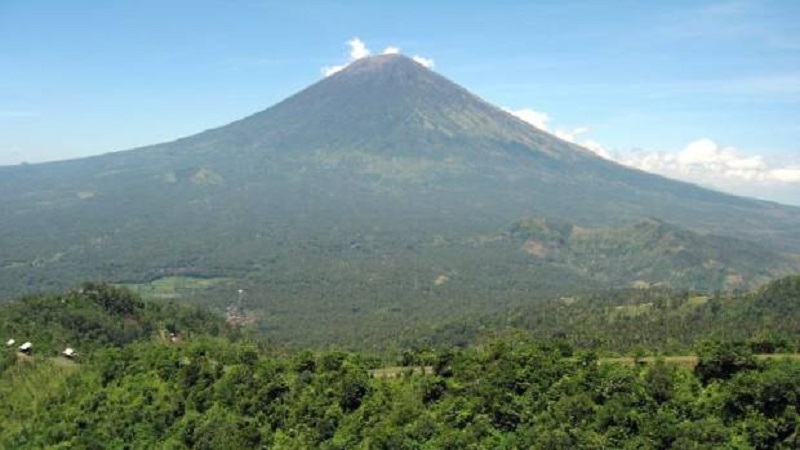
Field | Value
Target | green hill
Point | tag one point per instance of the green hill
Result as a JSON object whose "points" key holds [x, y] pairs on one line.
{"points": [[651, 252], [654, 319]]}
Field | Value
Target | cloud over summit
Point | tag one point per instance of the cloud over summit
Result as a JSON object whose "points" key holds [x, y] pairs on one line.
{"points": [[359, 49]]}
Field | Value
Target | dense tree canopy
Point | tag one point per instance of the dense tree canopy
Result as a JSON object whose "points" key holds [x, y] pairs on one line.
{"points": [[213, 388], [510, 393]]}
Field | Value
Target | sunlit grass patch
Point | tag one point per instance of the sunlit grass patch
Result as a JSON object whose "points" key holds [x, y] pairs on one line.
{"points": [[174, 287]]}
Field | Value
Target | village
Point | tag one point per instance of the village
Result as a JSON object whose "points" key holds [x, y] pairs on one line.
{"points": [[26, 350]]}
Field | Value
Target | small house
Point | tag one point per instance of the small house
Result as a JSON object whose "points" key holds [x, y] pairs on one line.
{"points": [[26, 347], [10, 342], [69, 353]]}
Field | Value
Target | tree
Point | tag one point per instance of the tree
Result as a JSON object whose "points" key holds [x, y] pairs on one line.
{"points": [[721, 360]]}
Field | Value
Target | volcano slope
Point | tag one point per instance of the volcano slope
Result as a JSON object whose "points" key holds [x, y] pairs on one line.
{"points": [[369, 201]]}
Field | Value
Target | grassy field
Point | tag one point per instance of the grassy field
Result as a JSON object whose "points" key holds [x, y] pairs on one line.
{"points": [[173, 287]]}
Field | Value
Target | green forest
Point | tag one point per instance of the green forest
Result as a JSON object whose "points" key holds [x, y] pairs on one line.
{"points": [[156, 374]]}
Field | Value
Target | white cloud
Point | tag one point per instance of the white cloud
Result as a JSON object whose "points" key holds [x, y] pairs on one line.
{"points": [[791, 175], [703, 151], [358, 49], [570, 135], [330, 70], [427, 62], [538, 119], [702, 161], [542, 121], [597, 148], [747, 163]]}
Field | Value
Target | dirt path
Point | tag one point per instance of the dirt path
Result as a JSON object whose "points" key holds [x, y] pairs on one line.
{"points": [[394, 372], [688, 361]]}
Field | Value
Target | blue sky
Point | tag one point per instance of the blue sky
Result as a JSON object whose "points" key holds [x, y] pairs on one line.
{"points": [[704, 91]]}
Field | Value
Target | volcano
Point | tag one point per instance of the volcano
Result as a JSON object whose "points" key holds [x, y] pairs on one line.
{"points": [[357, 192]]}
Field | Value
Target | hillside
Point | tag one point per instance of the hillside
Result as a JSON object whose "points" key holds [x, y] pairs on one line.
{"points": [[96, 316], [651, 252], [205, 390], [347, 201], [654, 319]]}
